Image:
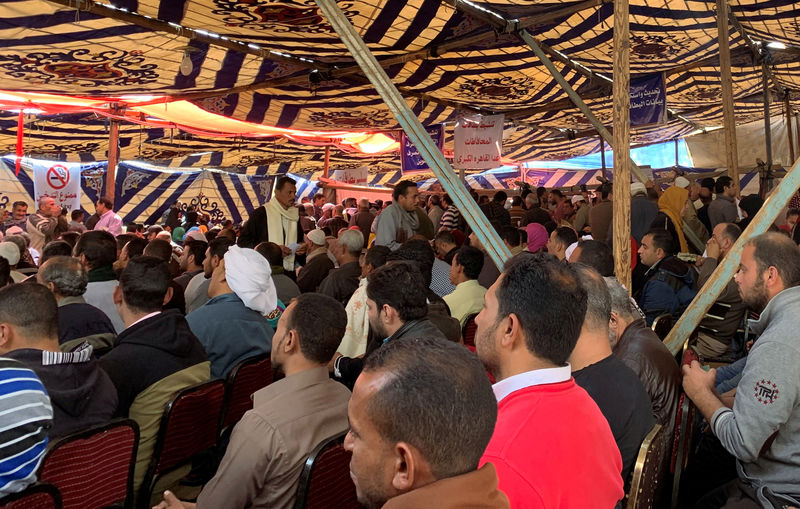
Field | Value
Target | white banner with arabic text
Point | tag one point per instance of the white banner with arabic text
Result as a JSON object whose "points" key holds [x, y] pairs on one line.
{"points": [[478, 142]]}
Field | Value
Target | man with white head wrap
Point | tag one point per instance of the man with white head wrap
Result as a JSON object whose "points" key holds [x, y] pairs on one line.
{"points": [[232, 325]]}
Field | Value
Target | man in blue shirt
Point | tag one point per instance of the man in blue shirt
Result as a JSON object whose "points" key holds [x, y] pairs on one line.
{"points": [[232, 325]]}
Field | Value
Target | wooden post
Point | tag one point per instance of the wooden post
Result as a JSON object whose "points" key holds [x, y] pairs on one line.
{"points": [[621, 147], [603, 169], [767, 114], [113, 159], [788, 106], [729, 116], [727, 268], [797, 131], [326, 168]]}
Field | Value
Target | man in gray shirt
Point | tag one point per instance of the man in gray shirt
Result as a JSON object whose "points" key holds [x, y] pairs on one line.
{"points": [[762, 429], [723, 209]]}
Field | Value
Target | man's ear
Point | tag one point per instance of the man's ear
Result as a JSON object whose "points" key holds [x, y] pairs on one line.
{"points": [[167, 296], [117, 296], [291, 342], [613, 324], [405, 467], [5, 337], [510, 328]]}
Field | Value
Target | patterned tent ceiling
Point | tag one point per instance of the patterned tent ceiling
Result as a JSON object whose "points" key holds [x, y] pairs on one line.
{"points": [[444, 62]]}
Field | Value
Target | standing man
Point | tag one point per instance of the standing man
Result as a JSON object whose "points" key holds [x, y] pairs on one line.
{"points": [[398, 222], [277, 221], [363, 219], [761, 429], [600, 215], [42, 225], [109, 220], [723, 209], [19, 216]]}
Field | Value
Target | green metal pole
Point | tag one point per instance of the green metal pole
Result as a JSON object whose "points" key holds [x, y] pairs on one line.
{"points": [[725, 270], [414, 130]]}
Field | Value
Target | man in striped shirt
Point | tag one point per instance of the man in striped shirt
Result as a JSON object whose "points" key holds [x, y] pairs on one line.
{"points": [[451, 219], [25, 419]]}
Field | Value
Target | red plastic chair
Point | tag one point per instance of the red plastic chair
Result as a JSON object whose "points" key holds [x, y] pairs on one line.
{"points": [[245, 378], [93, 468], [325, 481], [468, 330], [188, 427], [35, 496]]}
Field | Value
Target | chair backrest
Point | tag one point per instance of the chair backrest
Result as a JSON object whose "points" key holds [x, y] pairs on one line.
{"points": [[93, 468], [682, 441], [662, 325], [35, 496], [325, 480], [468, 330], [189, 426], [649, 471], [244, 379]]}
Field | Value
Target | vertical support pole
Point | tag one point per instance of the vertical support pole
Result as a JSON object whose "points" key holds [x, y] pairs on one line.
{"points": [[729, 118], [113, 159], [409, 122], [676, 151], [797, 131], [726, 269], [788, 106], [326, 168], [622, 126], [767, 117], [603, 169]]}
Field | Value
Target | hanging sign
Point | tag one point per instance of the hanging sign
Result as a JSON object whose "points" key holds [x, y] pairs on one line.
{"points": [[648, 100], [411, 160], [355, 176], [478, 142], [60, 181]]}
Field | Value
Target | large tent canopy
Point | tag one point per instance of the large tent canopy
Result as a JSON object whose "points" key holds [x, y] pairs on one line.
{"points": [[280, 64]]}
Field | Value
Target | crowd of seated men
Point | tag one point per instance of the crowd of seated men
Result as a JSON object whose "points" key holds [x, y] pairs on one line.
{"points": [[362, 306]]}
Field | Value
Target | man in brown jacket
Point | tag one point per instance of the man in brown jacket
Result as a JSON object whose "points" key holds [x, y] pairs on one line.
{"points": [[421, 415]]}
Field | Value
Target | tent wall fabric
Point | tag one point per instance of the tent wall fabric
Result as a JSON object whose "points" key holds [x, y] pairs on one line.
{"points": [[708, 150]]}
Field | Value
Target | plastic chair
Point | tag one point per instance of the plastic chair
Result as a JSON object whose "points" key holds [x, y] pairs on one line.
{"points": [[649, 471], [325, 480], [244, 379], [662, 325], [469, 329], [188, 427], [682, 441], [93, 468], [35, 496]]}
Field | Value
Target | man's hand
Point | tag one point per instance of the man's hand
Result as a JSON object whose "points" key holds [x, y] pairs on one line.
{"points": [[302, 249], [712, 248], [171, 502], [697, 381]]}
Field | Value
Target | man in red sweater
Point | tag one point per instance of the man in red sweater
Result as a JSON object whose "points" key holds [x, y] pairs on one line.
{"points": [[551, 445]]}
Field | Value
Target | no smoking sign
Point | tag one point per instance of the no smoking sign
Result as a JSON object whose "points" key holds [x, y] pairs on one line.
{"points": [[57, 177]]}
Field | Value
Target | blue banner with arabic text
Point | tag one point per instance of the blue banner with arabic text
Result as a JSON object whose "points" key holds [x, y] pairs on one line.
{"points": [[648, 100], [412, 161]]}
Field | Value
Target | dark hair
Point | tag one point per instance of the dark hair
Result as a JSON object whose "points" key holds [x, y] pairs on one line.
{"points": [[540, 191], [70, 238], [136, 247], [446, 237], [124, 238], [437, 398], [196, 248], [776, 250], [662, 239], [320, 337], [557, 192], [500, 196], [68, 275], [446, 200], [160, 249], [547, 299], [471, 259], [133, 228], [605, 189], [751, 204], [55, 248], [550, 227], [516, 201], [219, 246], [283, 181], [596, 255], [722, 182], [32, 308], [708, 183], [271, 251], [419, 251], [401, 286], [566, 235], [98, 246], [144, 283], [19, 204], [793, 212], [401, 188], [5, 272], [731, 232], [318, 196], [376, 256], [435, 200], [510, 235], [76, 214], [598, 298], [106, 202]]}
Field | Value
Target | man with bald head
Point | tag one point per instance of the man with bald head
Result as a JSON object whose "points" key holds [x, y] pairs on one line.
{"points": [[42, 225], [363, 219]]}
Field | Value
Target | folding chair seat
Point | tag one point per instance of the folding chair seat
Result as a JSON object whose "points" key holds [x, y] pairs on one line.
{"points": [[35, 496], [649, 472], [245, 378], [325, 481], [93, 469], [662, 325], [468, 330], [682, 442], [189, 426]]}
